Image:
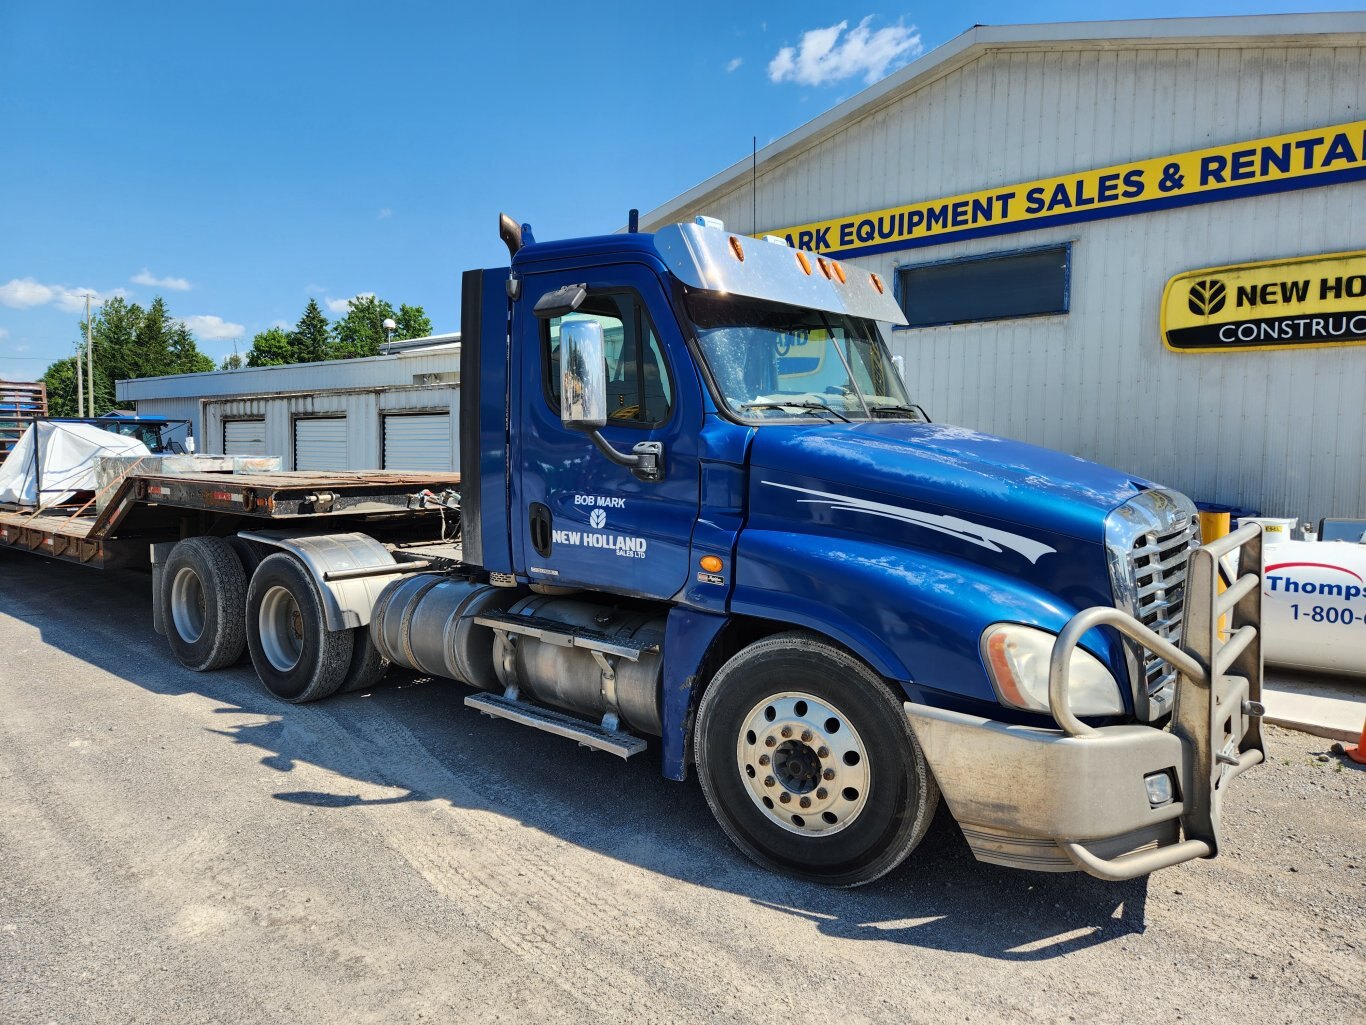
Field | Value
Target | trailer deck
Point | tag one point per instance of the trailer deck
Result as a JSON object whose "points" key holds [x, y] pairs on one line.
{"points": [[153, 507]]}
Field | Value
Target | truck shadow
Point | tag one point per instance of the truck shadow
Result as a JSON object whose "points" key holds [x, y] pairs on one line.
{"points": [[414, 741]]}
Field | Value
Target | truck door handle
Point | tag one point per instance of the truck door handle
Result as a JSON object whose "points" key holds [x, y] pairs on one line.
{"points": [[540, 529]]}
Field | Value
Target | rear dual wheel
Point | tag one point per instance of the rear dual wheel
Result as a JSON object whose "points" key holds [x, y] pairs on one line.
{"points": [[296, 657], [808, 763], [203, 588]]}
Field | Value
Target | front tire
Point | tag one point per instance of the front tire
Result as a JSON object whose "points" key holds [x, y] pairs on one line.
{"points": [[296, 657], [808, 762]]}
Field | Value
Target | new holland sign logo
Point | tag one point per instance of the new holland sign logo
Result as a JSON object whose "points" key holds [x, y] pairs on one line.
{"points": [[1303, 303], [1298, 160]]}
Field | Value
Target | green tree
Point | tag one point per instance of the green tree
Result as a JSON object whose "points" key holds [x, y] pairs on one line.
{"points": [[361, 332], [413, 322], [130, 342], [271, 348], [60, 379], [185, 357], [311, 338], [233, 362]]}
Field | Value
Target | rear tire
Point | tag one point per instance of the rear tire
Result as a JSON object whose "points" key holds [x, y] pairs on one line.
{"points": [[808, 763], [368, 666], [203, 593], [295, 656]]}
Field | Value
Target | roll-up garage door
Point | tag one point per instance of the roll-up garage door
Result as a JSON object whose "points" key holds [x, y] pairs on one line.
{"points": [[417, 441], [244, 437], [320, 443]]}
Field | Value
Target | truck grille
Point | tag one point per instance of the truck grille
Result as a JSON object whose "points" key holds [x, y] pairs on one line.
{"points": [[1159, 574], [1149, 540]]}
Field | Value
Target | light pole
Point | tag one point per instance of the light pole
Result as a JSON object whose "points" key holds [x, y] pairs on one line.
{"points": [[390, 326]]}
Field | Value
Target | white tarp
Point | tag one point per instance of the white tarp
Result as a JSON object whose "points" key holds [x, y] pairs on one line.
{"points": [[65, 464]]}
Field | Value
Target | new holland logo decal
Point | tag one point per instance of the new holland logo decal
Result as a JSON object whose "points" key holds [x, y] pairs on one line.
{"points": [[964, 530]]}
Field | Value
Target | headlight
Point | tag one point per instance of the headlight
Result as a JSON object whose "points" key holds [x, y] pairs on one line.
{"points": [[1017, 662]]}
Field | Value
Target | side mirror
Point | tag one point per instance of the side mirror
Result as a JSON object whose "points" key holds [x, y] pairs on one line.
{"points": [[583, 398], [583, 376]]}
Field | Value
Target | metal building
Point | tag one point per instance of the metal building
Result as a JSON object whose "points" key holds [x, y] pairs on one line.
{"points": [[398, 411], [1120, 176]]}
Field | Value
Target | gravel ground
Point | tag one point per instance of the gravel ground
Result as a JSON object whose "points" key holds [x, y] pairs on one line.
{"points": [[179, 848]]}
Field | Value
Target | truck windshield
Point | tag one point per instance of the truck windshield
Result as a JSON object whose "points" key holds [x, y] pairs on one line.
{"points": [[776, 362]]}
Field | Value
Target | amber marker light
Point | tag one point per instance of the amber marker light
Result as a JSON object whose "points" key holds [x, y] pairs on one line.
{"points": [[839, 271], [1004, 672], [737, 249], [801, 259], [877, 283], [711, 563], [825, 267]]}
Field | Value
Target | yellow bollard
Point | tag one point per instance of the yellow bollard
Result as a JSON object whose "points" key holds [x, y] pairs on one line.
{"points": [[1213, 526]]}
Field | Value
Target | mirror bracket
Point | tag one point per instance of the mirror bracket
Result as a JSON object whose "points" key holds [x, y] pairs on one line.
{"points": [[645, 460]]}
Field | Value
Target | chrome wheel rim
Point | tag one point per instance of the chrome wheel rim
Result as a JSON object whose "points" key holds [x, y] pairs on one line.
{"points": [[187, 605], [803, 764], [281, 628]]}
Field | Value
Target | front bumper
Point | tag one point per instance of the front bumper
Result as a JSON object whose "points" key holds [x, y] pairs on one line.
{"points": [[1075, 797]]}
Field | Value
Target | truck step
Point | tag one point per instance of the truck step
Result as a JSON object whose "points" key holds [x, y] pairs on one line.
{"points": [[552, 631], [588, 734]]}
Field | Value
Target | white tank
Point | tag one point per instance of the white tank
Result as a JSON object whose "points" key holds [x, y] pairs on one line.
{"points": [[1314, 606]]}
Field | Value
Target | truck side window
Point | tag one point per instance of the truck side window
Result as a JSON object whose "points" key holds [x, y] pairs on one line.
{"points": [[639, 390]]}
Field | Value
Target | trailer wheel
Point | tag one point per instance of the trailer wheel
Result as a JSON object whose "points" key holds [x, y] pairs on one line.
{"points": [[203, 591], [368, 666], [296, 657], [808, 762], [249, 553]]}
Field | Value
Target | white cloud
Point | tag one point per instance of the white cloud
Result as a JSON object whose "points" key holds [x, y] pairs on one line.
{"points": [[146, 277], [283, 325], [823, 56], [212, 328], [21, 292], [73, 299], [384, 212], [734, 63], [315, 288], [343, 306], [25, 292], [22, 348], [4, 332]]}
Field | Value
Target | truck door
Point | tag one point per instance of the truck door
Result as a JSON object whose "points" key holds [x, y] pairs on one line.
{"points": [[585, 521]]}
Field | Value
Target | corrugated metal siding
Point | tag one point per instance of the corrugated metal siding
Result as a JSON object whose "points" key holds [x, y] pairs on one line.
{"points": [[320, 443], [1279, 431], [363, 410], [417, 441]]}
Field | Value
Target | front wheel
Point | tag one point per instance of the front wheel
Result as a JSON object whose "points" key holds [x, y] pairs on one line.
{"points": [[808, 762]]}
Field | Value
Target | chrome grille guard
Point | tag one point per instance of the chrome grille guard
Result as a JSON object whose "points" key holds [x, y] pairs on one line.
{"points": [[1218, 700]]}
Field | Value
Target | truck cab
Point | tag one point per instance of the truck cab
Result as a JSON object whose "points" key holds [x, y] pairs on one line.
{"points": [[709, 429]]}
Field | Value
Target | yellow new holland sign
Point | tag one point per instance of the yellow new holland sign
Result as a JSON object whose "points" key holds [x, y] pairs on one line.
{"points": [[1308, 302]]}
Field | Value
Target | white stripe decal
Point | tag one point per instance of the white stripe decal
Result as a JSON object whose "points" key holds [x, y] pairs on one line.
{"points": [[964, 530]]}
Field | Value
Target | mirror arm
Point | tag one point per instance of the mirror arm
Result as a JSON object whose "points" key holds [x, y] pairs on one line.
{"points": [[645, 460]]}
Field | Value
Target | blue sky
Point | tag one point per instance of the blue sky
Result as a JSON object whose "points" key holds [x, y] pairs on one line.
{"points": [[240, 158]]}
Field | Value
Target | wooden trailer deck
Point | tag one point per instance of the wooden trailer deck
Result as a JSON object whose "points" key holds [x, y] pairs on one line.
{"points": [[153, 507]]}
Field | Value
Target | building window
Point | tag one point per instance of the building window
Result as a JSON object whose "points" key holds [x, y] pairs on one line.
{"points": [[1003, 286]]}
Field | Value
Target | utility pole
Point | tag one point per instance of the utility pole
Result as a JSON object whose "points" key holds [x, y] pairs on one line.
{"points": [[89, 354], [80, 383]]}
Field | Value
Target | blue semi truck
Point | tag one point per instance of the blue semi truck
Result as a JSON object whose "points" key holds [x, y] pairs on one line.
{"points": [[698, 504]]}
